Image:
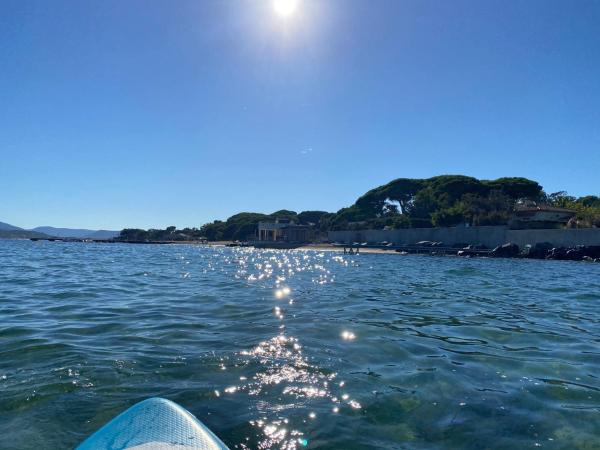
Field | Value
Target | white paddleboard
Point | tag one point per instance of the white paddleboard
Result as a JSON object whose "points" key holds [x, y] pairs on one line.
{"points": [[154, 424]]}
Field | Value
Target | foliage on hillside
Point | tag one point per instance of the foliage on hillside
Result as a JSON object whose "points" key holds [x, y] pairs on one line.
{"points": [[243, 225], [240, 226], [587, 208], [446, 200], [168, 234]]}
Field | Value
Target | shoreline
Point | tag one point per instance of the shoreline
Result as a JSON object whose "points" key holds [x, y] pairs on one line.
{"points": [[581, 253], [315, 247], [510, 251]]}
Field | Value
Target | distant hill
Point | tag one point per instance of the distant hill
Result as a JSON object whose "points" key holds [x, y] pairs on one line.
{"points": [[77, 233], [22, 234], [8, 227], [8, 231]]}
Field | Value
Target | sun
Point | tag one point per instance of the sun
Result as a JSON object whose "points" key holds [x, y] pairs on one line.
{"points": [[285, 8]]}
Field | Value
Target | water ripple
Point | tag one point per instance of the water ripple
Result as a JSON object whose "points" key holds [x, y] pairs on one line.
{"points": [[295, 349]]}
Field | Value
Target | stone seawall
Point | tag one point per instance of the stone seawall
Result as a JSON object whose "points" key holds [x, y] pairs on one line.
{"points": [[488, 236]]}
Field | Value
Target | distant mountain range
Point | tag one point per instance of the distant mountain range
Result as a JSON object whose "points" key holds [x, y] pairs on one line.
{"points": [[8, 231], [8, 227], [77, 233]]}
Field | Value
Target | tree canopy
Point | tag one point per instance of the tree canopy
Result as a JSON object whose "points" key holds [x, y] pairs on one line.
{"points": [[587, 208], [168, 234], [446, 200]]}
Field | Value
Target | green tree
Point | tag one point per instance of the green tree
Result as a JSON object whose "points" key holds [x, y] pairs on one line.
{"points": [[516, 187], [306, 217]]}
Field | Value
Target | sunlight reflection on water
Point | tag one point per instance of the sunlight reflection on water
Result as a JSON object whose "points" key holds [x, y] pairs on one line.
{"points": [[285, 371], [286, 349]]}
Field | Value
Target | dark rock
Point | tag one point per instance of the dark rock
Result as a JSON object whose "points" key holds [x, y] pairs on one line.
{"points": [[566, 254], [471, 253], [537, 251], [557, 253], [574, 254], [541, 249], [475, 247], [505, 251], [593, 251], [527, 251]]}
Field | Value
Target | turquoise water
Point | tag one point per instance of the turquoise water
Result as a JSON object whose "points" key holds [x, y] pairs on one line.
{"points": [[300, 349]]}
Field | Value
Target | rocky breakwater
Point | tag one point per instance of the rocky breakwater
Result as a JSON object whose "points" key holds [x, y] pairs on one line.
{"points": [[548, 251]]}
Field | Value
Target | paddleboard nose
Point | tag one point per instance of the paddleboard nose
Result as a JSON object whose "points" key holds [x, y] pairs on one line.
{"points": [[154, 424]]}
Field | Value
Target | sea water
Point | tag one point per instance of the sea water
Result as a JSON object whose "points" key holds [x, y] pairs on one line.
{"points": [[300, 349]]}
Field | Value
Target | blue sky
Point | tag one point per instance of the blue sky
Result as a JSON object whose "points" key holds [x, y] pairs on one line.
{"points": [[146, 113]]}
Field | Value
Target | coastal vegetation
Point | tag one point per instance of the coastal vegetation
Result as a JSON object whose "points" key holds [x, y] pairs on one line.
{"points": [[242, 225], [441, 201], [450, 200], [168, 234], [587, 208], [237, 227]]}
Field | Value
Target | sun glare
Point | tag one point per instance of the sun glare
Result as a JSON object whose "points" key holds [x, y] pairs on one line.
{"points": [[285, 8]]}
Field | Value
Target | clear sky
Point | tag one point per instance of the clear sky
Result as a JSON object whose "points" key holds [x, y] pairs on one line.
{"points": [[147, 113]]}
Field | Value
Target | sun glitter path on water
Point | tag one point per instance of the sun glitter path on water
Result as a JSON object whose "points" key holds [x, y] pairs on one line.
{"points": [[289, 376], [281, 370]]}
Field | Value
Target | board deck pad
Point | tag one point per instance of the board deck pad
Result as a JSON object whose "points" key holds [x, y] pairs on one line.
{"points": [[154, 424]]}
